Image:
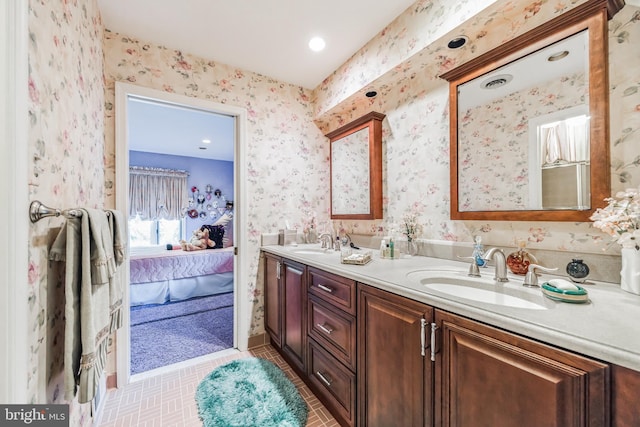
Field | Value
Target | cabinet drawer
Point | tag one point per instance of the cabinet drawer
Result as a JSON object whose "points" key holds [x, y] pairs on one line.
{"points": [[337, 290], [334, 383], [334, 329]]}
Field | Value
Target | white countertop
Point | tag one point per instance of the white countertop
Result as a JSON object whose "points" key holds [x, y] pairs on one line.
{"points": [[605, 328]]}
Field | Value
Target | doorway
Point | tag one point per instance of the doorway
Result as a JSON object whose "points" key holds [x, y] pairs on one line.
{"points": [[125, 93]]}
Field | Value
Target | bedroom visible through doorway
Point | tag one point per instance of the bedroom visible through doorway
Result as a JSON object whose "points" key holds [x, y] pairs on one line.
{"points": [[183, 210], [181, 198]]}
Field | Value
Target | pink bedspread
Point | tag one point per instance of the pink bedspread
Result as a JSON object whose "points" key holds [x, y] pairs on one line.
{"points": [[180, 264]]}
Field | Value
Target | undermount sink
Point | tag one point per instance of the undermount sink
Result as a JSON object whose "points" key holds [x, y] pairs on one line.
{"points": [[479, 289], [309, 251]]}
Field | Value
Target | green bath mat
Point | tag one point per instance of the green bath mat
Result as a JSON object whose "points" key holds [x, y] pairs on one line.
{"points": [[250, 392]]}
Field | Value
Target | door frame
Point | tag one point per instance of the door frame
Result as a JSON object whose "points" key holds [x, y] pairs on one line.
{"points": [[241, 310], [14, 211]]}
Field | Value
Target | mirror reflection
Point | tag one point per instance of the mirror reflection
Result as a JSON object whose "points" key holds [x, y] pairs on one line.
{"points": [[349, 172], [356, 168], [523, 133]]}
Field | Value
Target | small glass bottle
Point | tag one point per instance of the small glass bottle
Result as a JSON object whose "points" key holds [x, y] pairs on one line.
{"points": [[518, 262], [478, 252], [313, 235], [383, 248]]}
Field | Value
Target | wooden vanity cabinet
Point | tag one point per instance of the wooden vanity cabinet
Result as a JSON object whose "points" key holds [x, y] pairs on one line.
{"points": [[294, 332], [625, 388], [285, 306], [395, 373], [272, 298], [366, 354], [480, 376], [331, 310], [489, 377]]}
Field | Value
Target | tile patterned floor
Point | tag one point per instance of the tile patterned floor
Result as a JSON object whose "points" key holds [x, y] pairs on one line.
{"points": [[167, 399]]}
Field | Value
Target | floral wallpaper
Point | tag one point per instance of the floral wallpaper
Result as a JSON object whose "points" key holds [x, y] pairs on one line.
{"points": [[416, 131], [417, 27], [426, 28], [493, 167], [286, 154], [624, 98], [72, 58], [66, 133]]}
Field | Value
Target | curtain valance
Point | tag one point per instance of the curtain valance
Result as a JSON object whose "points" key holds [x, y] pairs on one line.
{"points": [[156, 193]]}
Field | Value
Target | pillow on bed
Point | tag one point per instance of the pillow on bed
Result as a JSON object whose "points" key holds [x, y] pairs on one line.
{"points": [[216, 233]]}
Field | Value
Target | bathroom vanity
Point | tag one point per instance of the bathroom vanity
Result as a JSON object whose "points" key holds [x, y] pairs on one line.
{"points": [[379, 345]]}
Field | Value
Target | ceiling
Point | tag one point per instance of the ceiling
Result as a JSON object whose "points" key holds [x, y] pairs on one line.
{"points": [[267, 37], [158, 127]]}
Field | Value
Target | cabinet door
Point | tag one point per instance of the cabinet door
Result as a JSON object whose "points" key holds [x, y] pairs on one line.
{"points": [[272, 299], [294, 310], [395, 380], [488, 377], [625, 384]]}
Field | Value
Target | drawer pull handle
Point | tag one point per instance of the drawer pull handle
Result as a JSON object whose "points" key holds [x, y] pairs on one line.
{"points": [[325, 329], [325, 288], [323, 378]]}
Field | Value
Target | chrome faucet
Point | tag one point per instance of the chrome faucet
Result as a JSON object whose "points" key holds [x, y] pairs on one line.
{"points": [[500, 262], [474, 270], [531, 278], [327, 240]]}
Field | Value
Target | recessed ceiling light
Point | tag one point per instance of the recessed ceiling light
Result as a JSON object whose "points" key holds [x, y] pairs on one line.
{"points": [[206, 141], [316, 44], [558, 56], [457, 42]]}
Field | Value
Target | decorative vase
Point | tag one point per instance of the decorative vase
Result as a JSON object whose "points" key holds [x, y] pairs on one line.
{"points": [[577, 270], [412, 247], [518, 261], [630, 273]]}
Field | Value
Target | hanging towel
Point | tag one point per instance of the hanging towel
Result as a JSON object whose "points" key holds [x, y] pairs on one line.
{"points": [[118, 230], [86, 244]]}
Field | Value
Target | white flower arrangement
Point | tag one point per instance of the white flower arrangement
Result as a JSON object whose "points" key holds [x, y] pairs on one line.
{"points": [[621, 218], [412, 228]]}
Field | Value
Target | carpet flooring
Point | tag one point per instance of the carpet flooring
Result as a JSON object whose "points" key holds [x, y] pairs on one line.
{"points": [[148, 313], [170, 333]]}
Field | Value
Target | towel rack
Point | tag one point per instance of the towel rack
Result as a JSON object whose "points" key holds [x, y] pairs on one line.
{"points": [[37, 211]]}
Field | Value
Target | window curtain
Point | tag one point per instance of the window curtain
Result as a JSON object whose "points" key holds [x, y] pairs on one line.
{"points": [[565, 141], [156, 193]]}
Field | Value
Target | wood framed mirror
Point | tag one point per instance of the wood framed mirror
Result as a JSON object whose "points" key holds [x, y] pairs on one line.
{"points": [[356, 169], [529, 128]]}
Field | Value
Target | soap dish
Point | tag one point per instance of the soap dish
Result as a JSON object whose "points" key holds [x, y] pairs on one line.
{"points": [[573, 296], [356, 258]]}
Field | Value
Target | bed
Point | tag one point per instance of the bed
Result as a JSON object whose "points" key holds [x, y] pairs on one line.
{"points": [[177, 275]]}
